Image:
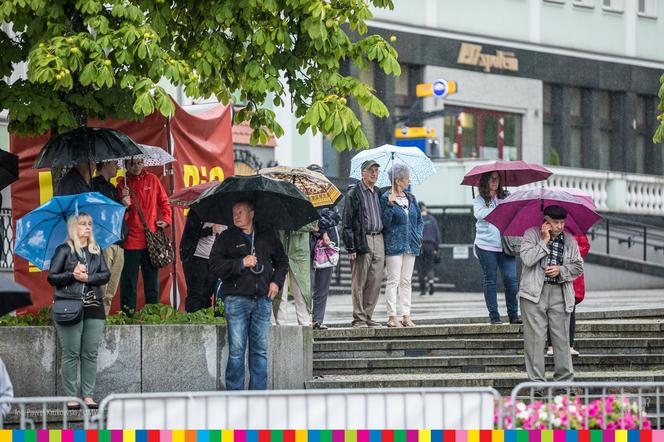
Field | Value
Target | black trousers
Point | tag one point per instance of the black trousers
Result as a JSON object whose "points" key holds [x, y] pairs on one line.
{"points": [[425, 264], [199, 284]]}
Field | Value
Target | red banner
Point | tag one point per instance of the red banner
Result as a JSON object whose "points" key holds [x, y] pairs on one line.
{"points": [[203, 148]]}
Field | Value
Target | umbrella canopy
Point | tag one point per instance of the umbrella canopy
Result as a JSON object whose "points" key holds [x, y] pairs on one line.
{"points": [[13, 296], [577, 193], [316, 186], [153, 156], [512, 173], [86, 144], [40, 231], [524, 209], [186, 196], [8, 168], [277, 203], [421, 167]]}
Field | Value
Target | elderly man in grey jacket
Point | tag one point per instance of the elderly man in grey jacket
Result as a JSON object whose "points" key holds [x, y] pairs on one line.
{"points": [[551, 261]]}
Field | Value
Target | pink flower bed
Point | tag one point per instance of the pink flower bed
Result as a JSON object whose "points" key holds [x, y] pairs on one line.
{"points": [[563, 412]]}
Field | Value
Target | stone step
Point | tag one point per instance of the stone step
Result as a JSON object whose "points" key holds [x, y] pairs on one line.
{"points": [[456, 347], [503, 382], [479, 364], [642, 328]]}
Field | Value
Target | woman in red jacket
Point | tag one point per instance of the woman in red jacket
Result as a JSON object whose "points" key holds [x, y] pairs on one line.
{"points": [[579, 293], [148, 193]]}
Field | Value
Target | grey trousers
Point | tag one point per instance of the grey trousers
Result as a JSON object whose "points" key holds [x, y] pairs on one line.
{"points": [[367, 274], [549, 313]]}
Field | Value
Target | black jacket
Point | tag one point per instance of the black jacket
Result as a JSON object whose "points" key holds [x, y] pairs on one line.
{"points": [[354, 233], [61, 273], [72, 183], [329, 218], [102, 185], [231, 246], [193, 231]]}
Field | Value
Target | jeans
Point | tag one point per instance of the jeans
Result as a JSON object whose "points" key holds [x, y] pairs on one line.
{"points": [[79, 345], [247, 317], [426, 265], [320, 291], [490, 262]]}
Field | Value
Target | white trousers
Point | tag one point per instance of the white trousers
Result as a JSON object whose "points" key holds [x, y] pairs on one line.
{"points": [[399, 275], [300, 305]]}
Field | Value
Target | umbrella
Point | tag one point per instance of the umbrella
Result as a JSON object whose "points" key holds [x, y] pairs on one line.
{"points": [[13, 296], [512, 173], [524, 209], [577, 193], [320, 190], [40, 231], [153, 156], [86, 144], [186, 196], [421, 167], [277, 203], [8, 168]]}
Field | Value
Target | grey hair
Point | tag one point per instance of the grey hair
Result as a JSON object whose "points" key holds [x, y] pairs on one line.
{"points": [[398, 171]]}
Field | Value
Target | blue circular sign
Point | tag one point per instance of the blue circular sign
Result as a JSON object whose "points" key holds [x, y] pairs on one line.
{"points": [[439, 88]]}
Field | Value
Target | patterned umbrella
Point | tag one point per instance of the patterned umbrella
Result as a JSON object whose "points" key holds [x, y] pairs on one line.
{"points": [[320, 190], [153, 156], [421, 167]]}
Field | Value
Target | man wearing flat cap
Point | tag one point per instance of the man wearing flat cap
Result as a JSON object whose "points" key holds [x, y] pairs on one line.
{"points": [[551, 261], [362, 235]]}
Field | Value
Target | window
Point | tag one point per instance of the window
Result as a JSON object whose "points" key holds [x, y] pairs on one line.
{"points": [[477, 133], [546, 98], [401, 83], [604, 105], [613, 5], [585, 3], [576, 148], [575, 102], [647, 8]]}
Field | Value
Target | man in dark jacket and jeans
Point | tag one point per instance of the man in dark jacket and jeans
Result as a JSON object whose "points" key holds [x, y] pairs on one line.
{"points": [[362, 235], [425, 262], [252, 266]]}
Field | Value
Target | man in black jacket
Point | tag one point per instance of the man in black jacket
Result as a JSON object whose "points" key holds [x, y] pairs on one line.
{"points": [[252, 266], [362, 235], [114, 254], [76, 180]]}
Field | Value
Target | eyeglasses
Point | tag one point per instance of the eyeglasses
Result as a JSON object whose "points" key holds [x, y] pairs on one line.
{"points": [[494, 178]]}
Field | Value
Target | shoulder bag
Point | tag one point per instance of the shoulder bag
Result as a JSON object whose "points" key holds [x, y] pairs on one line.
{"points": [[160, 248]]}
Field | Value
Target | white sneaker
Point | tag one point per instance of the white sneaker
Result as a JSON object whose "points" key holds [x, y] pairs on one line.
{"points": [[573, 352], [549, 351]]}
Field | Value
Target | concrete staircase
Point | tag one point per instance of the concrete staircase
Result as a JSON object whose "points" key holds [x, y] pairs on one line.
{"points": [[464, 355]]}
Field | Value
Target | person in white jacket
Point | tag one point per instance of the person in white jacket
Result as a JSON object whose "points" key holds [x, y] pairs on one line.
{"points": [[6, 390]]}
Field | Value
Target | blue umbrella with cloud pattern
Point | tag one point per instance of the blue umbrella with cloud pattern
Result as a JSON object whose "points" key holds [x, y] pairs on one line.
{"points": [[40, 231]]}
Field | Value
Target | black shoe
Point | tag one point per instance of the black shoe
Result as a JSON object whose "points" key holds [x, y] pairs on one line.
{"points": [[431, 288], [423, 292], [496, 321], [539, 394], [516, 320]]}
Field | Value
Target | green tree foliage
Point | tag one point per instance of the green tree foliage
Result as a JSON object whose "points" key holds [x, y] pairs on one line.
{"points": [[106, 58]]}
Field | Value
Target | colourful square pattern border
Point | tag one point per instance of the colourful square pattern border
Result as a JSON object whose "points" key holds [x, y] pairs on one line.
{"points": [[331, 436]]}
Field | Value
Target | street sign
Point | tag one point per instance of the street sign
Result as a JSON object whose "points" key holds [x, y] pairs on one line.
{"points": [[439, 88]]}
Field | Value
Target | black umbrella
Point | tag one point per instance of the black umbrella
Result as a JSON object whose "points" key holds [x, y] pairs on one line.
{"points": [[278, 204], [8, 168], [86, 144], [12, 296]]}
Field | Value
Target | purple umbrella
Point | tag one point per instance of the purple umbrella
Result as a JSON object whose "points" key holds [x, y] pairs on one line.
{"points": [[523, 210], [512, 173]]}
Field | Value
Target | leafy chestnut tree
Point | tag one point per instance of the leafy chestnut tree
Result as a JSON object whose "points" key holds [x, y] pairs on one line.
{"points": [[107, 59]]}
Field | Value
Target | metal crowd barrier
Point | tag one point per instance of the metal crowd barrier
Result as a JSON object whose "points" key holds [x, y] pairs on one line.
{"points": [[25, 411], [648, 396], [461, 408]]}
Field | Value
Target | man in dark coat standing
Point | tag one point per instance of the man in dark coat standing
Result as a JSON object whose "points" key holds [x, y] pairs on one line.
{"points": [[252, 265]]}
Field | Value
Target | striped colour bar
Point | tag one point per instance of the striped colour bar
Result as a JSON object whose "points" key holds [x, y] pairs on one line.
{"points": [[331, 436]]}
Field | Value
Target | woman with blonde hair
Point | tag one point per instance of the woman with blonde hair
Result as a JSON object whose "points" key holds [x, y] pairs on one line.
{"points": [[78, 271]]}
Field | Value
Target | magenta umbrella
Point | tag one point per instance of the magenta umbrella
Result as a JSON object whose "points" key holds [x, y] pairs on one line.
{"points": [[512, 173], [579, 194], [524, 209]]}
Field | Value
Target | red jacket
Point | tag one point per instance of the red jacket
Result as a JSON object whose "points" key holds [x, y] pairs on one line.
{"points": [[580, 283], [152, 198]]}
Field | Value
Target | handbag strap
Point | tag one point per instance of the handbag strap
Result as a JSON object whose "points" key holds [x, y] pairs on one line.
{"points": [[138, 206]]}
